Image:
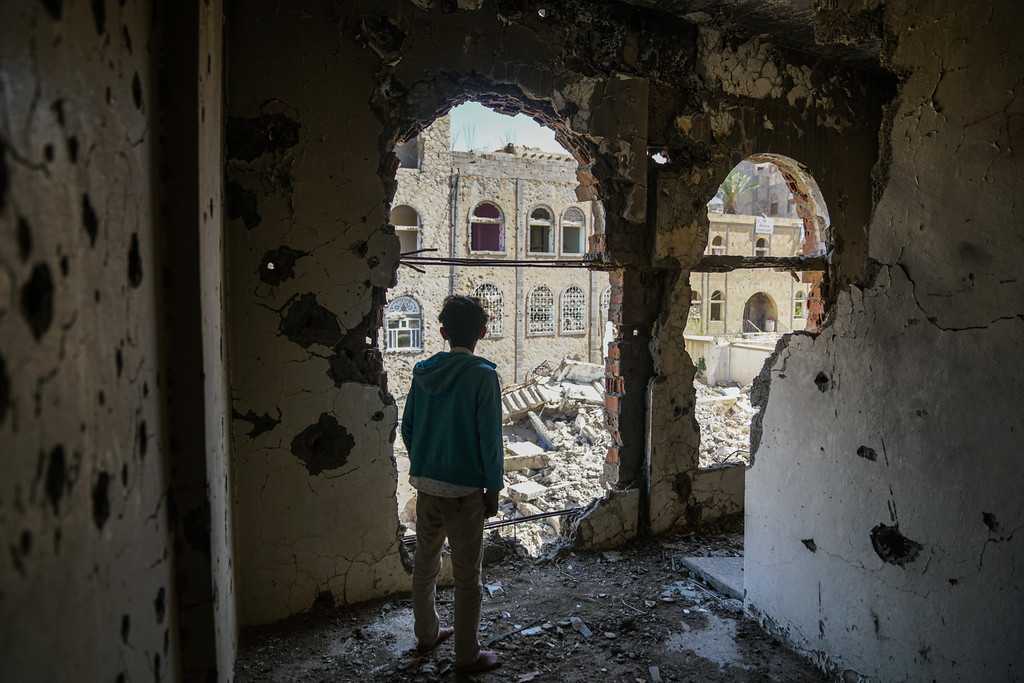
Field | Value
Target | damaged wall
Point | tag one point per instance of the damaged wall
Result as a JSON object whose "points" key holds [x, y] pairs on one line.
{"points": [[102, 502], [893, 504]]}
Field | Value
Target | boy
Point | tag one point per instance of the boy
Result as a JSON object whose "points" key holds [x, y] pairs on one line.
{"points": [[452, 429]]}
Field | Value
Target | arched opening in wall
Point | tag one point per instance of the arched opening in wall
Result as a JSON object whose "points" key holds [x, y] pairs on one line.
{"points": [[407, 226], [760, 314], [495, 203], [767, 207]]}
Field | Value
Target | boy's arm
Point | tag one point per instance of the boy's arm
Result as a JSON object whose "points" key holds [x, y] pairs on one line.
{"points": [[407, 418], [492, 449]]}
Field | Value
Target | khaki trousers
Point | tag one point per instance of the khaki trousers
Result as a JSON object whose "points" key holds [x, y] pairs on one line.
{"points": [[462, 521]]}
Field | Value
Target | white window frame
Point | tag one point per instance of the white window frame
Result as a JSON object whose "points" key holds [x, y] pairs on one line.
{"points": [[407, 315], [575, 324], [695, 304], [720, 303], [718, 249], [571, 223], [548, 223], [492, 300], [499, 221], [761, 251], [800, 304], [536, 326]]}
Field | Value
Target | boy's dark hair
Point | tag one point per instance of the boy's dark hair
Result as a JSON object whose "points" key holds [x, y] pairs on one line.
{"points": [[463, 317]]}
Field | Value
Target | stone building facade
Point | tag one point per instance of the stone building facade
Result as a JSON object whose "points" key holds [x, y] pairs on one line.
{"points": [[513, 204], [749, 301]]}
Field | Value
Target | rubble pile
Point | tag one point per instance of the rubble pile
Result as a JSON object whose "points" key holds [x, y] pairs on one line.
{"points": [[555, 447], [724, 415]]}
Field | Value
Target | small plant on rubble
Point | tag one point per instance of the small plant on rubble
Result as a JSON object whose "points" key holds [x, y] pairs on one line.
{"points": [[734, 185]]}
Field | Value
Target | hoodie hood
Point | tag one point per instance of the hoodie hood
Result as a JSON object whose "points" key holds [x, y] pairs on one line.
{"points": [[439, 373]]}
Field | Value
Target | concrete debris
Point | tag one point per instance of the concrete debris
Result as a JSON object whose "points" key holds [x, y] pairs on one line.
{"points": [[724, 415], [526, 491]]}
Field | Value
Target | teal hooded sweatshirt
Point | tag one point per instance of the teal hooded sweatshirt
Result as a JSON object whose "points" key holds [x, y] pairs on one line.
{"points": [[452, 421]]}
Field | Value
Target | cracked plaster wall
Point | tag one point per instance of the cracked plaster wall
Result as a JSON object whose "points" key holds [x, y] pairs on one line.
{"points": [[309, 133], [91, 530], [893, 504]]}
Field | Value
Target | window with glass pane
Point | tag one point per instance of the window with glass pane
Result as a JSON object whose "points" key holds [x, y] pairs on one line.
{"points": [[718, 246], [799, 301], [403, 322]]}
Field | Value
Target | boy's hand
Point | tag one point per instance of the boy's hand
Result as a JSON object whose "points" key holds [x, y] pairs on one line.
{"points": [[490, 503]]}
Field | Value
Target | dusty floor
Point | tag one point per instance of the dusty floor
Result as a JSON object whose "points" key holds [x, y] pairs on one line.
{"points": [[640, 606]]}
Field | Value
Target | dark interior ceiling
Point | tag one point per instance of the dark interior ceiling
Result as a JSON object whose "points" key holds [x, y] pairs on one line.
{"points": [[796, 25]]}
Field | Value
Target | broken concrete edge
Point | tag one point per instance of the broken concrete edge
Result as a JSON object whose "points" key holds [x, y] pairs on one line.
{"points": [[798, 645], [759, 391], [608, 522]]}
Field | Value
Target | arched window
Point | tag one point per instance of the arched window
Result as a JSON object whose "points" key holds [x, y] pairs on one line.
{"points": [[487, 229], [799, 301], [574, 311], [716, 306], [540, 312], [407, 227], [542, 232], [695, 304], [717, 246], [490, 298], [574, 231], [403, 325], [761, 247]]}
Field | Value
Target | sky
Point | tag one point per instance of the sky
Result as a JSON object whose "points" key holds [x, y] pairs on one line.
{"points": [[474, 126]]}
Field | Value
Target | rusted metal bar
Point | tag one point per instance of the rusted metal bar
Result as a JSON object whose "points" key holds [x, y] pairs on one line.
{"points": [[724, 264], [411, 538]]}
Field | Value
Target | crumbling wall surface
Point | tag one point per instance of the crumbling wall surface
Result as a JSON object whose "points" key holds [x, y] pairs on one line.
{"points": [[88, 590], [309, 257], [893, 503], [749, 99]]}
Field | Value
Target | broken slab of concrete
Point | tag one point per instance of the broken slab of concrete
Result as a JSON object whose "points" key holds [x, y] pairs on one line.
{"points": [[724, 574], [526, 491], [524, 455]]}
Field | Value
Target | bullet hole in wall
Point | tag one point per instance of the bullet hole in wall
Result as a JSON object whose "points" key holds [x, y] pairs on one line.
{"points": [[48, 152], [143, 439], [867, 453], [242, 204], [55, 8], [89, 220], [306, 322], [260, 423], [101, 500], [58, 110], [325, 445], [118, 361], [126, 627], [249, 138], [892, 546], [126, 38], [56, 477], [821, 381], [124, 475], [990, 521], [134, 262], [24, 239], [810, 544], [159, 605], [99, 16], [137, 91], [37, 300], [278, 265], [65, 265], [73, 149]]}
